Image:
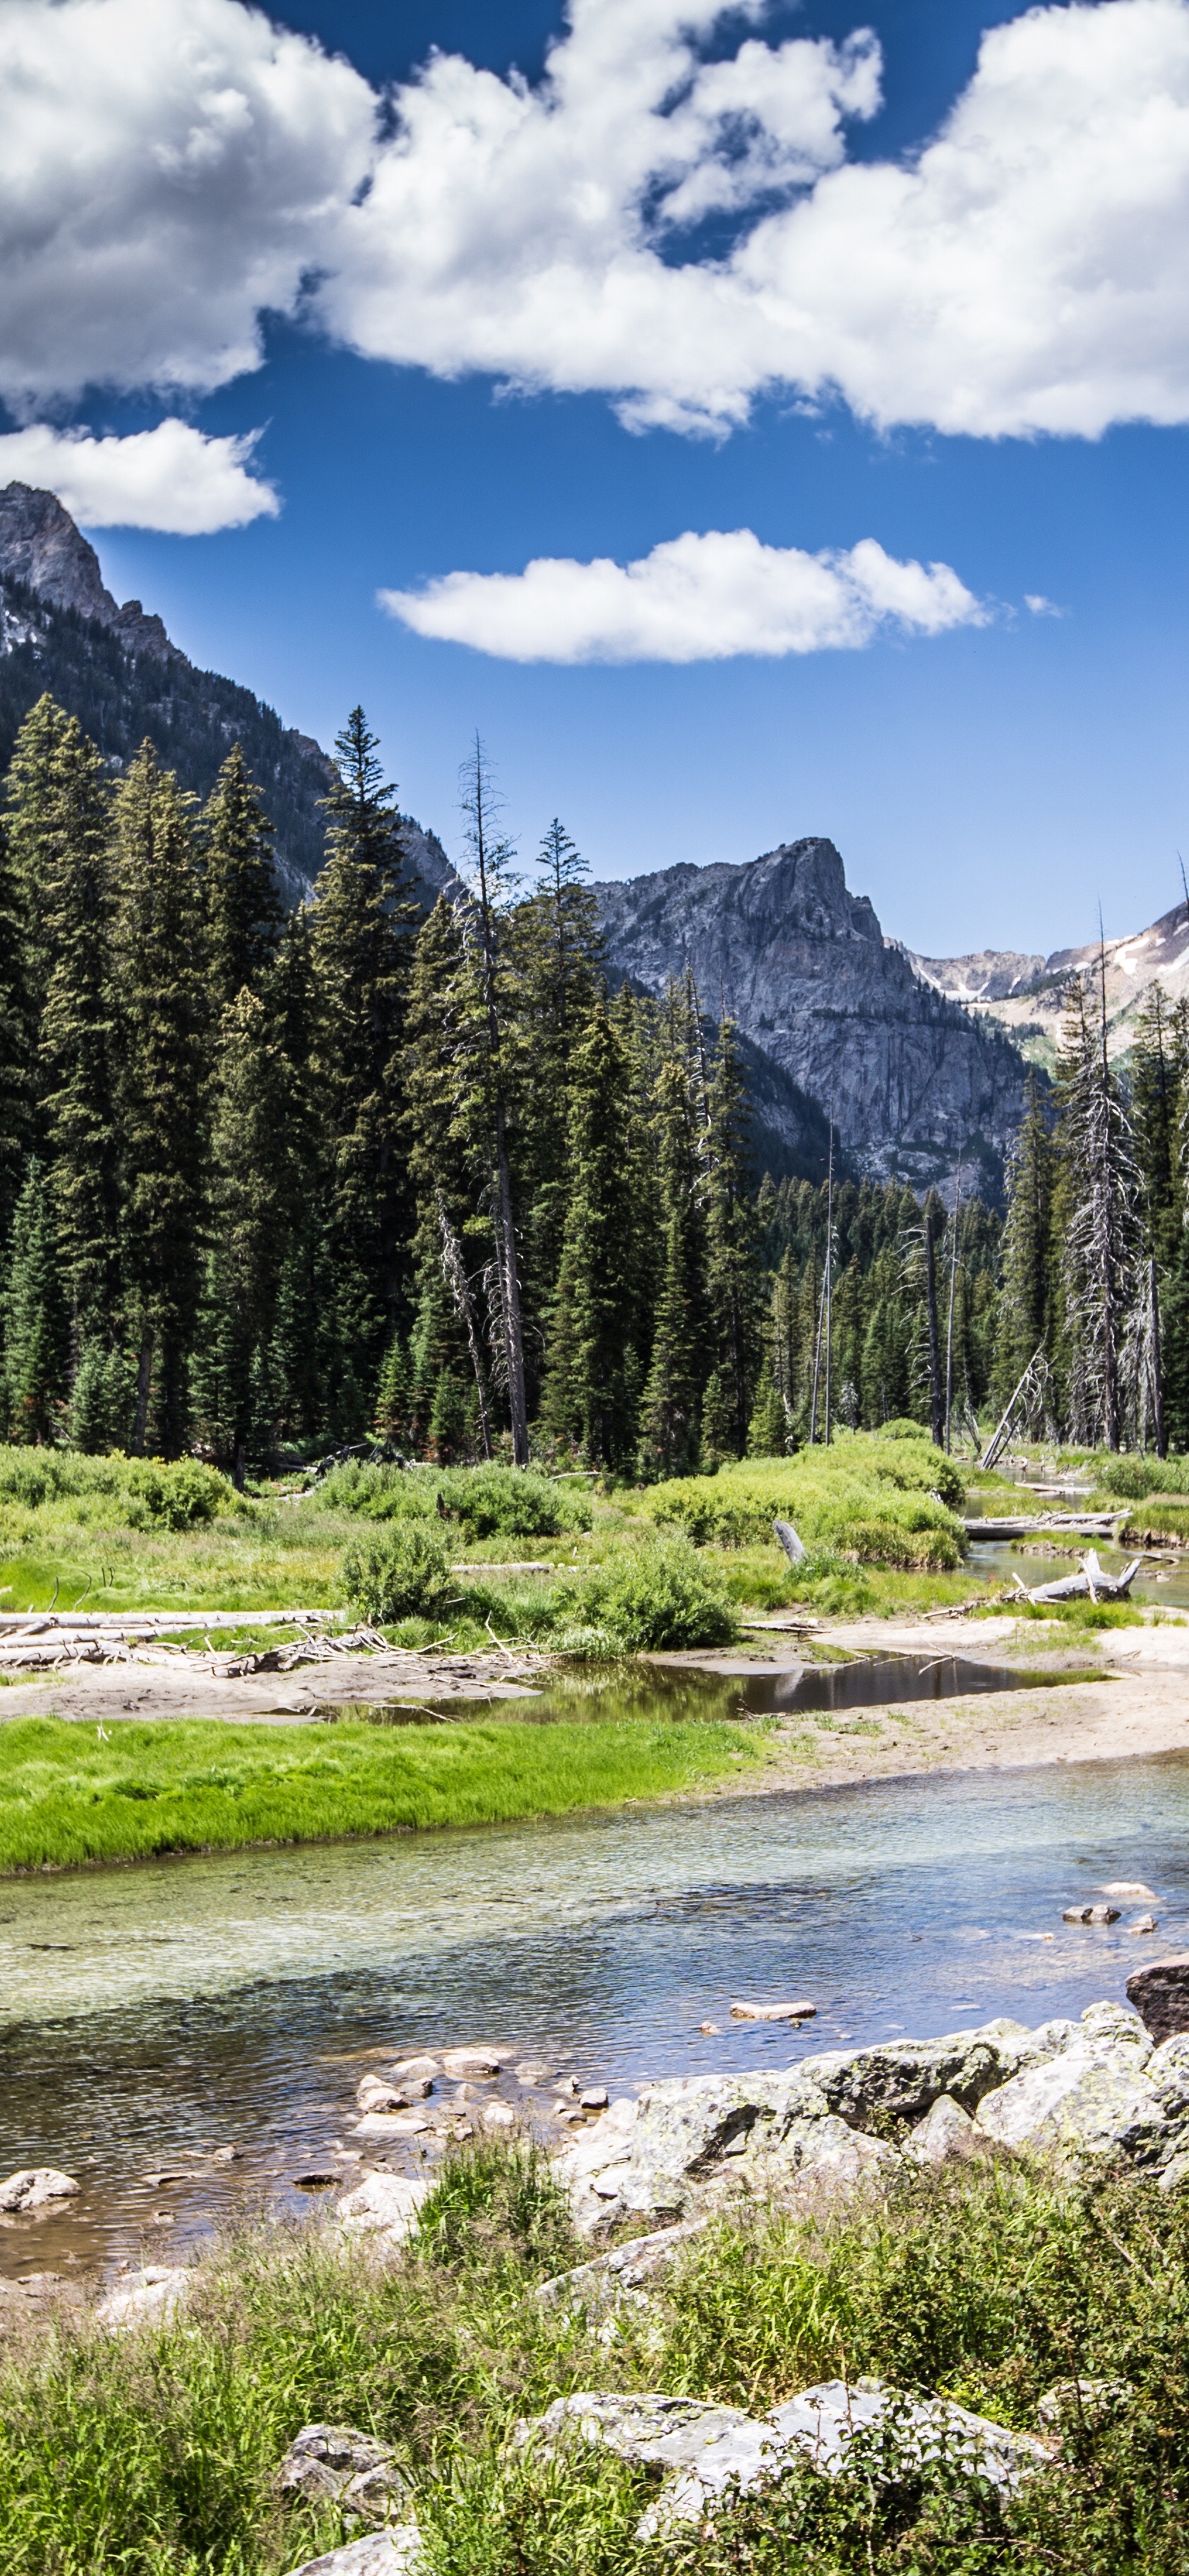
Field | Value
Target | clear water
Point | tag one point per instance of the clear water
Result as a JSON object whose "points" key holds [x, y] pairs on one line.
{"points": [[155, 2013], [879, 1681]]}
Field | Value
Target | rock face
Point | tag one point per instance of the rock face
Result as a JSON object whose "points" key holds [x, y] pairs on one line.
{"points": [[1070, 2094], [1160, 1995], [117, 670], [807, 973]]}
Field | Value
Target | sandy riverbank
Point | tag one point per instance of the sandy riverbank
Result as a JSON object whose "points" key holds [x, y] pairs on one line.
{"points": [[1138, 1707]]}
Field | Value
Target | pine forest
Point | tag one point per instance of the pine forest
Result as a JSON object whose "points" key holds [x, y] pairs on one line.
{"points": [[274, 1183]]}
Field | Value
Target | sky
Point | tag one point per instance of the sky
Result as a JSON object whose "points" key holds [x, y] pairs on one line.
{"points": [[754, 422]]}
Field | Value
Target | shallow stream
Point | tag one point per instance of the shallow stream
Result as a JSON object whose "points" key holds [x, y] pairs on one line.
{"points": [[156, 2013]]}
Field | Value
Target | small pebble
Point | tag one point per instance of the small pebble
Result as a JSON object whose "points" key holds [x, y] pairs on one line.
{"points": [[710, 2030]]}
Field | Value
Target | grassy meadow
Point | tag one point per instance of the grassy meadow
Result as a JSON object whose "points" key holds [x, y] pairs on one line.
{"points": [[155, 2454]]}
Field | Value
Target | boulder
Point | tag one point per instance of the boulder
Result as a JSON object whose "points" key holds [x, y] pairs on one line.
{"points": [[947, 2130], [383, 2205], [1083, 2401], [392, 2124], [895, 2434], [326, 2462], [713, 2448], [396, 2552], [598, 2283], [36, 2187], [1091, 2101], [407, 2067], [1160, 1994], [153, 2294], [595, 2098], [495, 2116], [902, 2079]]}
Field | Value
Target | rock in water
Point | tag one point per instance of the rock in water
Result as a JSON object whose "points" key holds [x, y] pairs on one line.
{"points": [[743, 2011], [1160, 1994], [326, 2461], [36, 2187]]}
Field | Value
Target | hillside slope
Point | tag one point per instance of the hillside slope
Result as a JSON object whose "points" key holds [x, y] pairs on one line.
{"points": [[1026, 996], [117, 671]]}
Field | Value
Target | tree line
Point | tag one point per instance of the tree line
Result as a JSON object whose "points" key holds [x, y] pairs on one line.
{"points": [[274, 1180]]}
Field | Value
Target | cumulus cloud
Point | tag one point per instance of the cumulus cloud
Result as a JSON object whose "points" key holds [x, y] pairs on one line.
{"points": [[1040, 606], [171, 169], [171, 477], [693, 599], [167, 172]]}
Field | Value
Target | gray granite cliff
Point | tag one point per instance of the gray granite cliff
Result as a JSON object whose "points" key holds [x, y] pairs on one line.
{"points": [[914, 1081]]}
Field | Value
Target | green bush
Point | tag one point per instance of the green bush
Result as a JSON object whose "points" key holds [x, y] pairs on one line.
{"points": [[657, 1596], [860, 1497], [399, 1576], [1133, 1479], [511, 1502], [377, 1493], [146, 1491]]}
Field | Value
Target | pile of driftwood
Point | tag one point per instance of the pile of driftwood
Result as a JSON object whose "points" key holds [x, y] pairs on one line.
{"points": [[53, 1641]]}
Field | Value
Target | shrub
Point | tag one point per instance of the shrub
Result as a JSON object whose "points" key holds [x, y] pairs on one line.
{"points": [[399, 1576], [376, 1493], [511, 1502], [1133, 1479], [655, 1596], [145, 1490], [175, 1497], [860, 1496]]}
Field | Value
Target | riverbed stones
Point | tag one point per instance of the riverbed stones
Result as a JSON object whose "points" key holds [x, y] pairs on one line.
{"points": [[36, 2187], [714, 2449], [407, 2068], [472, 2062], [1160, 1994], [376, 2093], [395, 2552], [1093, 2100], [328, 2462]]}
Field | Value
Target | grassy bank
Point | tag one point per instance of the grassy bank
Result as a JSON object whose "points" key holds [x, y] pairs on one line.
{"points": [[67, 1796], [156, 2456]]}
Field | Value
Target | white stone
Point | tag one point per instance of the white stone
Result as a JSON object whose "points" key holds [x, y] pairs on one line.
{"points": [[392, 2124], [394, 2552], [382, 2203], [409, 2066], [35, 2187], [153, 2294], [823, 2421], [712, 2447], [947, 2130], [498, 2115], [743, 2011], [473, 2061], [374, 2093]]}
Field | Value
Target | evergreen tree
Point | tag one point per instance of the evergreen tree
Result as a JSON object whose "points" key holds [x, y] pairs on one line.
{"points": [[362, 935], [590, 1380], [244, 909], [558, 980], [447, 1169], [254, 1188], [670, 1424], [1028, 1316], [732, 1268], [34, 1319], [75, 1045], [491, 1063], [159, 989]]}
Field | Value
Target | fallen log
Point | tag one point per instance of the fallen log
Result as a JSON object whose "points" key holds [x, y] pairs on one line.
{"points": [[1091, 1583], [1077, 1524]]}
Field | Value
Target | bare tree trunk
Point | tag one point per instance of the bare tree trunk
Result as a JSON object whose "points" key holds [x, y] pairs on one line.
{"points": [[935, 1403], [453, 1265], [506, 1236], [144, 1379], [1157, 1364], [829, 1271], [817, 1361], [491, 859]]}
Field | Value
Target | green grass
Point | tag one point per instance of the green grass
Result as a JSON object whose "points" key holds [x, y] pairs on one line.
{"points": [[874, 1501], [155, 2454], [68, 1795]]}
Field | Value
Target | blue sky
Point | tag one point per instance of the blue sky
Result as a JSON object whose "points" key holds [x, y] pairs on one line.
{"points": [[988, 783]]}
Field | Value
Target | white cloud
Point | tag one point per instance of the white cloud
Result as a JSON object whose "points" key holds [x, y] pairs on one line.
{"points": [[693, 599], [1040, 606], [167, 170], [170, 169], [171, 477]]}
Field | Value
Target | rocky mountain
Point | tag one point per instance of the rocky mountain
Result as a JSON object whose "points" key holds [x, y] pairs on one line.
{"points": [[1026, 996], [915, 1082], [117, 671]]}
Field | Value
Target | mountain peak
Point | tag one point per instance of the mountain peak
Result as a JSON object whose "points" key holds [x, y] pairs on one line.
{"points": [[41, 547]]}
